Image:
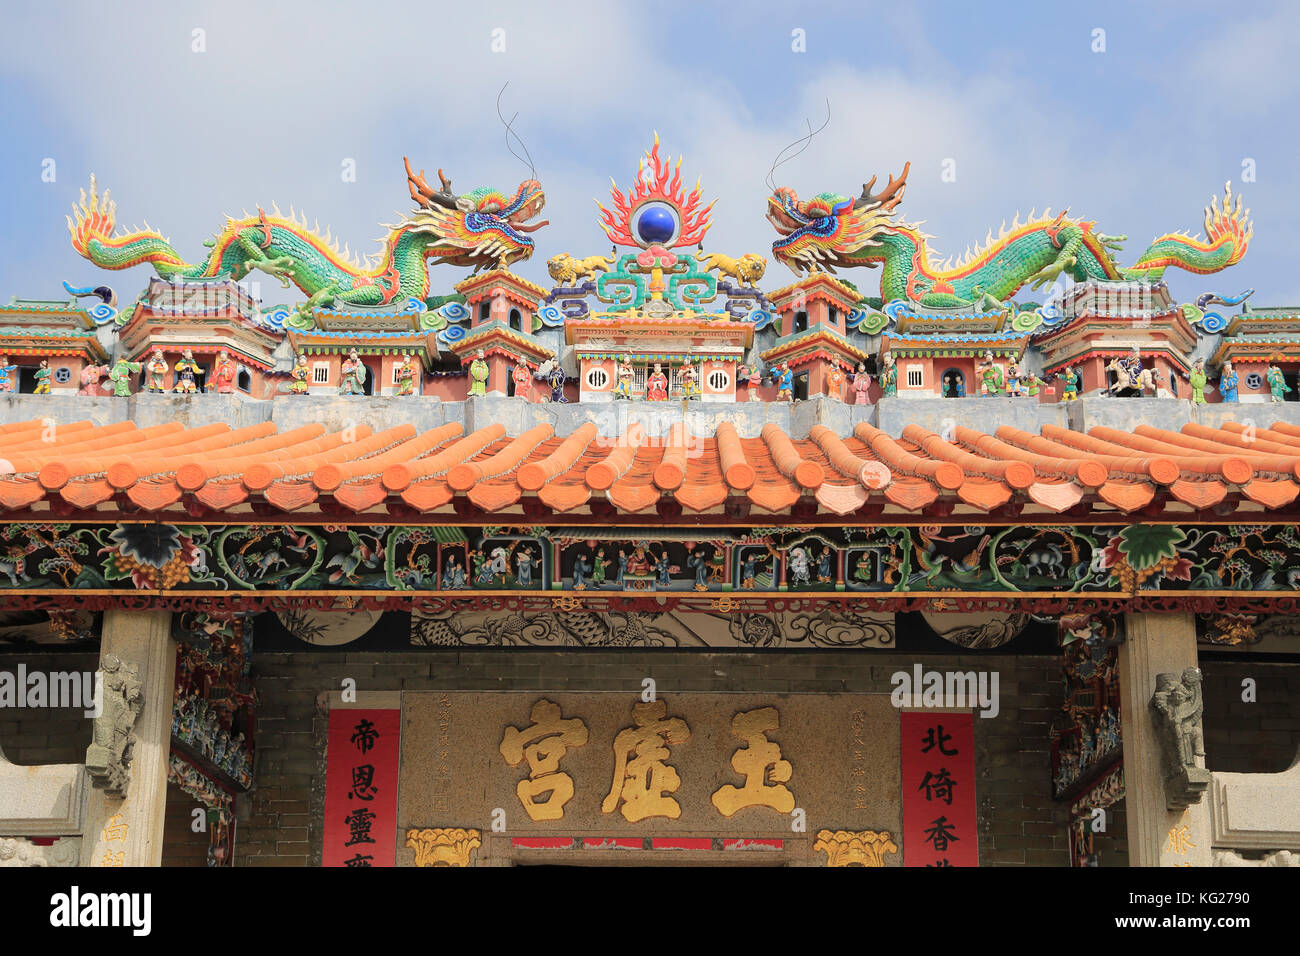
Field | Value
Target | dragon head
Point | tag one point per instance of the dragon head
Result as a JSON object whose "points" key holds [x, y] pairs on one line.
{"points": [[821, 231], [482, 226]]}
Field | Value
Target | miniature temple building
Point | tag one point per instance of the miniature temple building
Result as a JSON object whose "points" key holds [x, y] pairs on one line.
{"points": [[503, 310], [1253, 340], [383, 341], [812, 328], [62, 332]]}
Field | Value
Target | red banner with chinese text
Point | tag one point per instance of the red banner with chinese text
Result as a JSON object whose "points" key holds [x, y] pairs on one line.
{"points": [[361, 788], [938, 781]]}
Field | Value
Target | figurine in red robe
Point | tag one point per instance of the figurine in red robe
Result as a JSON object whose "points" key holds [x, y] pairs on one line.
{"points": [[523, 379], [656, 385], [224, 374]]}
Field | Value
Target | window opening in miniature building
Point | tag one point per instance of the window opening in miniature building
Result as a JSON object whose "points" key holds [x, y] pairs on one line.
{"points": [[516, 320], [484, 311], [801, 387], [597, 378], [368, 386], [831, 315], [801, 321], [954, 383], [63, 375], [915, 376], [320, 373], [639, 375], [243, 381], [1292, 380], [1173, 384], [26, 379], [719, 380]]}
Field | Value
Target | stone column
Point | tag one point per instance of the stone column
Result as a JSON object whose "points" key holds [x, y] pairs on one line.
{"points": [[1156, 644], [128, 831]]}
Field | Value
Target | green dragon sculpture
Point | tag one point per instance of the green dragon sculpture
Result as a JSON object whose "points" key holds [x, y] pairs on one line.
{"points": [[482, 228], [831, 230]]}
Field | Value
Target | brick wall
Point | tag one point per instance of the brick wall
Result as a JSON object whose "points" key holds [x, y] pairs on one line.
{"points": [[280, 821], [181, 846], [1259, 737], [47, 734]]}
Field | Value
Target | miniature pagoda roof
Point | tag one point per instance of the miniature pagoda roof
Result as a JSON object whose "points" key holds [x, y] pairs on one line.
{"points": [[169, 470]]}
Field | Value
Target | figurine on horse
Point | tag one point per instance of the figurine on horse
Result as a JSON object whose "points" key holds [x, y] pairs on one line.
{"points": [[1131, 379]]}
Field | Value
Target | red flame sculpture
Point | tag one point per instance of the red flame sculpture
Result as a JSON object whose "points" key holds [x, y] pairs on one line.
{"points": [[657, 187]]}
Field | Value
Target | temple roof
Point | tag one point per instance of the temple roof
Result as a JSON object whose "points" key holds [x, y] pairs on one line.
{"points": [[400, 472]]}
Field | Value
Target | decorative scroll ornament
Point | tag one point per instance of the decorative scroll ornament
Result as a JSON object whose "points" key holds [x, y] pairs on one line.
{"points": [[855, 848], [1212, 322], [105, 310], [108, 758], [1178, 706], [443, 846]]}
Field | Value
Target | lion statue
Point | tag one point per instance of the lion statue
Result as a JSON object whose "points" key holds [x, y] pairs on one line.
{"points": [[565, 269], [748, 268]]}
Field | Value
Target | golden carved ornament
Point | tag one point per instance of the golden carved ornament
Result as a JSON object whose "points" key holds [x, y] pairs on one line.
{"points": [[443, 846], [567, 603], [855, 848], [726, 604]]}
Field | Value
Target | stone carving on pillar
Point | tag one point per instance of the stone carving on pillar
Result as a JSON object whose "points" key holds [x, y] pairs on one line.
{"points": [[1177, 705], [108, 758], [16, 851], [1276, 858]]}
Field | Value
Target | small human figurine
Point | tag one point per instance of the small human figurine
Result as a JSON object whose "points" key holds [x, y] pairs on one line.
{"points": [[580, 571], [1013, 380], [224, 373], [1197, 379], [1130, 374], [524, 565], [556, 378], [522, 376], [664, 570], [698, 562], [1277, 383], [861, 386], [186, 369], [155, 371], [690, 385], [1070, 383], [889, 377], [90, 376], [835, 382], [1032, 384], [353, 375], [453, 575], [598, 566], [1228, 383], [656, 385], [785, 384], [301, 376], [6, 383], [42, 377], [120, 376], [478, 374], [990, 376], [624, 378], [405, 373], [754, 379]]}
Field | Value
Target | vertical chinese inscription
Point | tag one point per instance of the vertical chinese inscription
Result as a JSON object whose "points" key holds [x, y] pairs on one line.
{"points": [[442, 771], [938, 782], [857, 760], [544, 745], [115, 831], [361, 787]]}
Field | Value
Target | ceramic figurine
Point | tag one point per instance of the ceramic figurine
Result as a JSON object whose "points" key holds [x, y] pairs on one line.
{"points": [[186, 369], [352, 375], [990, 376], [690, 385], [90, 376], [626, 376], [301, 383], [120, 376], [155, 371], [1228, 383], [224, 373], [1013, 380], [799, 567], [42, 379], [861, 386], [1197, 379], [6, 383], [835, 382], [556, 378], [785, 384], [1277, 385], [889, 377], [1032, 384], [405, 373], [1070, 383], [522, 376], [478, 374], [656, 385]]}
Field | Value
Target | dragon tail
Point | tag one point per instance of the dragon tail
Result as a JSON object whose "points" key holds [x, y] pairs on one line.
{"points": [[92, 236], [1228, 231]]}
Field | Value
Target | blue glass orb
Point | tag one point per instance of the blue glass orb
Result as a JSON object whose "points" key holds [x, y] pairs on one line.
{"points": [[655, 224]]}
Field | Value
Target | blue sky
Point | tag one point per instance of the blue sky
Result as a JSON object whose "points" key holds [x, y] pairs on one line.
{"points": [[1138, 137]]}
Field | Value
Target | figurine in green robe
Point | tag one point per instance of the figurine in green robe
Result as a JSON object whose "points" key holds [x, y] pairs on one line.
{"points": [[1197, 378], [478, 374], [1277, 383], [889, 375], [120, 376]]}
